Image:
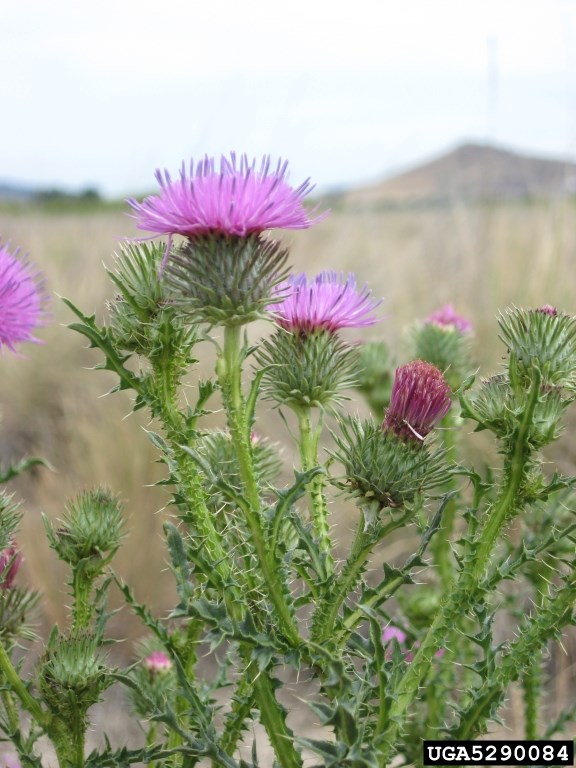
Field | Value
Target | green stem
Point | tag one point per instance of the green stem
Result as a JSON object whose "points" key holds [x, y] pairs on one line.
{"points": [[30, 704], [470, 580], [81, 610], [441, 543], [274, 721], [308, 443], [229, 368], [326, 613]]}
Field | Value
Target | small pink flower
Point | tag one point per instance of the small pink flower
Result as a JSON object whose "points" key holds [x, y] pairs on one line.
{"points": [[10, 561], [391, 633], [421, 397], [158, 662], [548, 309], [21, 300], [447, 317], [328, 302]]}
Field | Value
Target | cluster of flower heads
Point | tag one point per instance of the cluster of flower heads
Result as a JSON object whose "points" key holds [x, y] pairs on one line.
{"points": [[328, 302], [22, 300], [421, 397]]}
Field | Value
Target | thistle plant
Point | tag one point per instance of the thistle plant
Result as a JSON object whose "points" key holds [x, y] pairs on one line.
{"points": [[399, 652]]}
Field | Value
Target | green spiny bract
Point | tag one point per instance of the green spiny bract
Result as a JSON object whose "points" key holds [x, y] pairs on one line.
{"points": [[225, 279], [143, 318], [307, 370], [446, 348], [380, 467], [9, 519], [91, 530], [497, 406], [18, 608], [540, 337], [374, 378], [72, 676]]}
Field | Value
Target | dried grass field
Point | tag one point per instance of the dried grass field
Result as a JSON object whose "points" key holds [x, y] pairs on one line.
{"points": [[480, 257]]}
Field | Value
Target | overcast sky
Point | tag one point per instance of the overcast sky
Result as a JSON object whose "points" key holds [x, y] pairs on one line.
{"points": [[102, 93]]}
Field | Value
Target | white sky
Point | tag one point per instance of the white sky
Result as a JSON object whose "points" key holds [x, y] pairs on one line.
{"points": [[102, 93]]}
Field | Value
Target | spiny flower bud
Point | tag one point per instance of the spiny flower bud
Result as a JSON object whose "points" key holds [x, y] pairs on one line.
{"points": [[421, 398], [72, 675], [90, 531], [307, 371], [542, 337], [383, 470]]}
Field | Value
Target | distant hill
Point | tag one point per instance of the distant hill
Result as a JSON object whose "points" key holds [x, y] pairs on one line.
{"points": [[471, 172]]}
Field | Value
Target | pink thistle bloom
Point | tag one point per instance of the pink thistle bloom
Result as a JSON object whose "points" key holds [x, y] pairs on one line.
{"points": [[548, 309], [447, 317], [238, 199], [10, 561], [9, 761], [21, 300], [157, 662], [391, 633], [420, 398], [328, 302]]}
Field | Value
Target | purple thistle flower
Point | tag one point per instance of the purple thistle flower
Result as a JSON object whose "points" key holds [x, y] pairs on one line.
{"points": [[328, 302], [21, 300], [391, 633], [421, 397], [447, 317], [10, 561], [548, 309], [158, 662], [238, 199]]}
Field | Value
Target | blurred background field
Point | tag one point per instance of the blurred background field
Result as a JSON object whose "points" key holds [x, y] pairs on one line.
{"points": [[482, 254]]}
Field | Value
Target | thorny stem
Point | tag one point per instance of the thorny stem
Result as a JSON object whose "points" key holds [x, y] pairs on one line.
{"points": [[308, 443], [229, 369]]}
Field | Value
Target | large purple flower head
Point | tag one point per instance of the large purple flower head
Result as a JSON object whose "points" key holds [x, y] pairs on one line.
{"points": [[447, 317], [238, 198], [21, 300], [421, 397], [329, 301]]}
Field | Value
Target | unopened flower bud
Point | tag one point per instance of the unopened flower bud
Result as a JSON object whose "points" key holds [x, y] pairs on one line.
{"points": [[542, 337], [91, 530], [421, 398]]}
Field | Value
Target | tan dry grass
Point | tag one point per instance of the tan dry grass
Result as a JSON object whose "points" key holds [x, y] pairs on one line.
{"points": [[481, 257]]}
